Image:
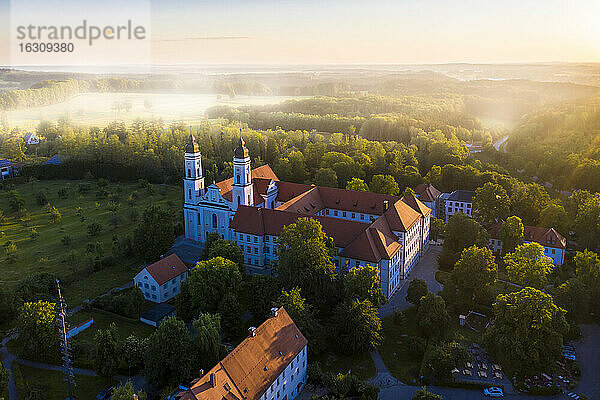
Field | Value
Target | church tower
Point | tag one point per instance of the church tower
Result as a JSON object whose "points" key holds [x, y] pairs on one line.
{"points": [[194, 181], [242, 189]]}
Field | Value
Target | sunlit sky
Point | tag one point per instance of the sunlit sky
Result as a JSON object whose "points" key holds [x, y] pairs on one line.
{"points": [[372, 32]]}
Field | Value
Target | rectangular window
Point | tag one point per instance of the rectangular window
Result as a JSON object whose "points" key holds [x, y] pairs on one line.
{"points": [[335, 213], [353, 215], [266, 238], [362, 216], [327, 211], [256, 250], [344, 213], [255, 239]]}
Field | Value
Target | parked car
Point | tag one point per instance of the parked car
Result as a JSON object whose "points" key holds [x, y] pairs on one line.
{"points": [[106, 393], [493, 392], [570, 357]]}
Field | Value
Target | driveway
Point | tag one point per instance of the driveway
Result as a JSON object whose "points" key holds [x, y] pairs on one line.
{"points": [[588, 354], [425, 269]]}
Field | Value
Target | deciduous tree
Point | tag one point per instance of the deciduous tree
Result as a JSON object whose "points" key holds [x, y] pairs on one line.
{"points": [[490, 204], [528, 265], [511, 234], [432, 317], [417, 288], [362, 283], [358, 328], [385, 184]]}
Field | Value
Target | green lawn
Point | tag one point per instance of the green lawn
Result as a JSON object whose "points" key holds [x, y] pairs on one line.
{"points": [[401, 364], [102, 320], [47, 254], [361, 365], [54, 386]]}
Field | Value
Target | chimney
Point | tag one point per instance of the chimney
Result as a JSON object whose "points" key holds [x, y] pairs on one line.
{"points": [[213, 380], [201, 373], [252, 331], [385, 205], [274, 311]]}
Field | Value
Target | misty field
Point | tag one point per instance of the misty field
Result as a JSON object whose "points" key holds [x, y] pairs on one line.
{"points": [[100, 109]]}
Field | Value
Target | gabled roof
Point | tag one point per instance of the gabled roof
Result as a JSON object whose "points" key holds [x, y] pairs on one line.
{"points": [[320, 197], [358, 240], [547, 237], [55, 160], [264, 171], [401, 217], [28, 136], [427, 192], [166, 269], [289, 190], [465, 196], [254, 364], [417, 205]]}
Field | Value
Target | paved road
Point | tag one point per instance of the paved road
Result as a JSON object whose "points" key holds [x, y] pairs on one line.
{"points": [[588, 354], [7, 360], [425, 269], [501, 143]]}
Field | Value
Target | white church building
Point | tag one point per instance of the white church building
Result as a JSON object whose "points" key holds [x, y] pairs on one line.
{"points": [[251, 208]]}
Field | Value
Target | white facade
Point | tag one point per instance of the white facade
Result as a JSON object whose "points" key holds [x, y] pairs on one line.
{"points": [[155, 292], [290, 382], [556, 254]]}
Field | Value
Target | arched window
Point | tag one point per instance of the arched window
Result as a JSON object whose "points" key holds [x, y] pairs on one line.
{"points": [[214, 221], [190, 194], [248, 199], [238, 201], [237, 179], [189, 173], [198, 171]]}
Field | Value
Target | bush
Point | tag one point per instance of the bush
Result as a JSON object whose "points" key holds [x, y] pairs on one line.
{"points": [[41, 198], [66, 240], [84, 188], [94, 228], [128, 302], [63, 192]]}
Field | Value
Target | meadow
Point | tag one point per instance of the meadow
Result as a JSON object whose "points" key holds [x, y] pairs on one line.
{"points": [[99, 109], [41, 245]]}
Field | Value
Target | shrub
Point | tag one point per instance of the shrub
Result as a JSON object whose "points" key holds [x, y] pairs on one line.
{"points": [[41, 198], [63, 192], [128, 302], [66, 240], [33, 234], [94, 228], [84, 188], [102, 182]]}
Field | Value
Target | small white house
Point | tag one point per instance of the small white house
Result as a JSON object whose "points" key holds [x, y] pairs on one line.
{"points": [[31, 138], [161, 281], [460, 201]]}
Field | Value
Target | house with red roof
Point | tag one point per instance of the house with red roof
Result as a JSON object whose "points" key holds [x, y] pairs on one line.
{"points": [[270, 363], [161, 281], [555, 244], [252, 207]]}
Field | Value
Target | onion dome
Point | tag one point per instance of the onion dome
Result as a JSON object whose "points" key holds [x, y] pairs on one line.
{"points": [[241, 151], [192, 146]]}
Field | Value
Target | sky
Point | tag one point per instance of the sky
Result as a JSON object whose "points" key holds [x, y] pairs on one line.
{"points": [[354, 32]]}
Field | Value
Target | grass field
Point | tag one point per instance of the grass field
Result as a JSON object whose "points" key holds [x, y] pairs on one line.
{"points": [[47, 253], [54, 386], [99, 108]]}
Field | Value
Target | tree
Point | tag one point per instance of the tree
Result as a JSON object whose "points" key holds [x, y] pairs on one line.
{"points": [[133, 350], [528, 201], [474, 273], [38, 332], [262, 291], [207, 285], [4, 378], [126, 392], [362, 283], [461, 232], [326, 177], [385, 184], [511, 234], [34, 287], [408, 191], [528, 265], [55, 215], [555, 216], [227, 249], [15, 201], [13, 148], [357, 184], [303, 315], [154, 234], [41, 199], [424, 394], [106, 357], [230, 311], [169, 357], [358, 328], [94, 228], [432, 317], [417, 288], [528, 330], [305, 253], [207, 340], [490, 204], [445, 357], [436, 228], [586, 223]]}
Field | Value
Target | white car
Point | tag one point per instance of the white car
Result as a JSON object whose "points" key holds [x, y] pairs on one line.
{"points": [[493, 392]]}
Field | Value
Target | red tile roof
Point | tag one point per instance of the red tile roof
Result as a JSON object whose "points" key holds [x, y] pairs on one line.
{"points": [[289, 190], [547, 237], [253, 365], [166, 269], [358, 240], [264, 171], [427, 192], [401, 217], [320, 197], [417, 205]]}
